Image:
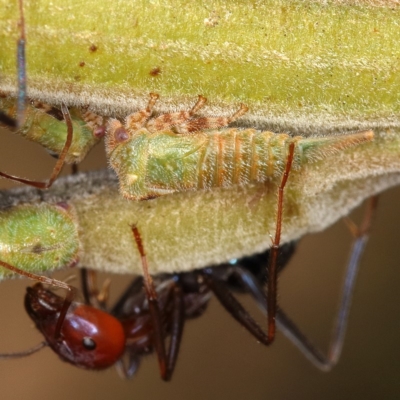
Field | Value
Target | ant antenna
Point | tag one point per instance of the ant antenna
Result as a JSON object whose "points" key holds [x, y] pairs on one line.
{"points": [[25, 353]]}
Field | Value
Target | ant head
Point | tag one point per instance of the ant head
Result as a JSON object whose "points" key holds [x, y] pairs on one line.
{"points": [[89, 338]]}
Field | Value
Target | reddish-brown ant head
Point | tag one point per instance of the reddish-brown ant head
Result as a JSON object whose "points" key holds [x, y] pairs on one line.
{"points": [[90, 338]]}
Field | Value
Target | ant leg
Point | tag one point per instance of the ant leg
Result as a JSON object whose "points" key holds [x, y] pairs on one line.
{"points": [[273, 256], [178, 320], [206, 123], [166, 121], [59, 163], [127, 370], [231, 304], [285, 325], [71, 291], [237, 311], [153, 306], [289, 328], [166, 360], [361, 236]]}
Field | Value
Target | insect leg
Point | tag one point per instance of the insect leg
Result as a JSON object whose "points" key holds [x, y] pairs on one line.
{"points": [[117, 132], [290, 329], [229, 302], [361, 235], [166, 360], [166, 121], [274, 251], [138, 120], [127, 370], [60, 162], [206, 123], [153, 307], [178, 320], [226, 298]]}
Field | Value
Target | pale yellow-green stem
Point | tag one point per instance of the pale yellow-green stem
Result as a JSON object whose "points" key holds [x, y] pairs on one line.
{"points": [[300, 66], [193, 229]]}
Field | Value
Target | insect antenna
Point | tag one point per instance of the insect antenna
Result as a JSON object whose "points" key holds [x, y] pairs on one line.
{"points": [[21, 110], [21, 64], [25, 353]]}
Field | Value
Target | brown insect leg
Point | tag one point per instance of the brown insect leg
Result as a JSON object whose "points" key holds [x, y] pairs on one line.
{"points": [[273, 257], [71, 291], [60, 162], [153, 307], [138, 120], [166, 121], [242, 110], [166, 359], [206, 123], [199, 104]]}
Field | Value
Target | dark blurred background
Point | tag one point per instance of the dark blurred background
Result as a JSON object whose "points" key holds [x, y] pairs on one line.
{"points": [[219, 359]]}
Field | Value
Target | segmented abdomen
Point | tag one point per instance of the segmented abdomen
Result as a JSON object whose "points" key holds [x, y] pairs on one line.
{"points": [[230, 157], [155, 164]]}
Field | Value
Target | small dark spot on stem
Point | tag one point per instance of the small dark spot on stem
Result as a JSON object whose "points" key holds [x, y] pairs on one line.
{"points": [[37, 249], [155, 71], [93, 48], [82, 64]]}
